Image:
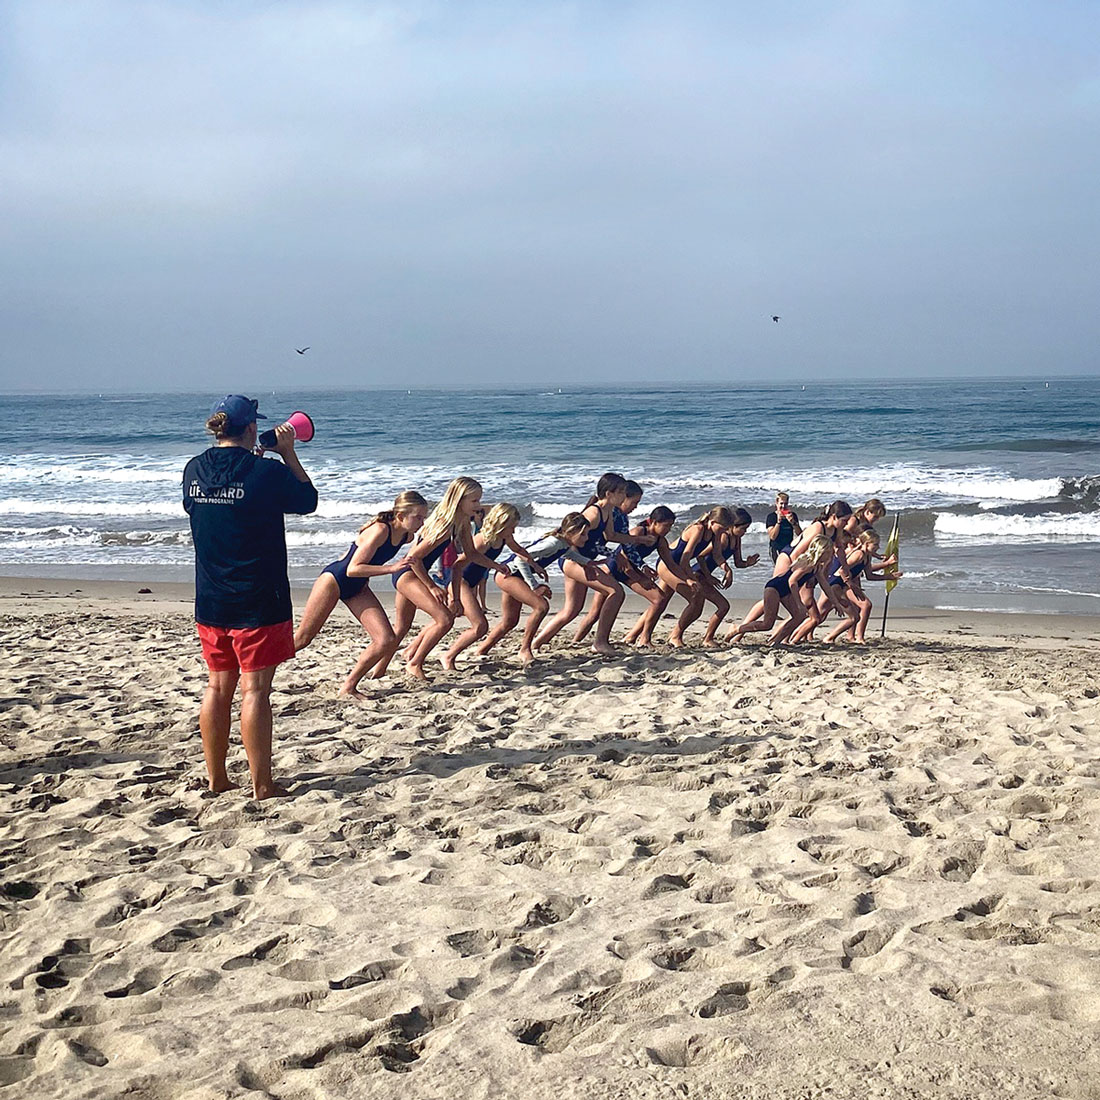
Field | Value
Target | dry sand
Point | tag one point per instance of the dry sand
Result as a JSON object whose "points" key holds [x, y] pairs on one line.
{"points": [[746, 873]]}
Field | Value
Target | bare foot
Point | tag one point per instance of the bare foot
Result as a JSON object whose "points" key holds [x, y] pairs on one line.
{"points": [[526, 657], [606, 648], [275, 790], [710, 643], [644, 643], [676, 641], [355, 697], [415, 671], [447, 662], [220, 786]]}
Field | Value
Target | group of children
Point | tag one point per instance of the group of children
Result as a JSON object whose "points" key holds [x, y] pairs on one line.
{"points": [[452, 551]]}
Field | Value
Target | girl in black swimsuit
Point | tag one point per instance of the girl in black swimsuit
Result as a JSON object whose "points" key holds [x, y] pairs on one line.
{"points": [[695, 539], [668, 575], [498, 530], [610, 493], [372, 554], [627, 564], [724, 529], [528, 584], [448, 525], [782, 590]]}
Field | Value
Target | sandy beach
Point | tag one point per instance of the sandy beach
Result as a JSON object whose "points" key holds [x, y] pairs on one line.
{"points": [[744, 873]]}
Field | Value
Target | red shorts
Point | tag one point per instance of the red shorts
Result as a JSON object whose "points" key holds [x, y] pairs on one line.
{"points": [[249, 649]]}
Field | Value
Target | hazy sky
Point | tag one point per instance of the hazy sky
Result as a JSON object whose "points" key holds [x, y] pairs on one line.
{"points": [[522, 192]]}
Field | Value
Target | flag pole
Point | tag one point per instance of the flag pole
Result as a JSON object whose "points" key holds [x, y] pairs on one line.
{"points": [[891, 550]]}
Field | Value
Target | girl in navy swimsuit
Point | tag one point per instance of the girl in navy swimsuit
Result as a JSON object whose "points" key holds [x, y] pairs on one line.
{"points": [[498, 530], [372, 554], [610, 493], [859, 562], [449, 524], [695, 539], [725, 531], [527, 585], [627, 564], [782, 590], [668, 576]]}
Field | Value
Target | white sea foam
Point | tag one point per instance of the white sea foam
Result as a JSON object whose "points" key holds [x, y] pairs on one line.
{"points": [[1047, 527]]}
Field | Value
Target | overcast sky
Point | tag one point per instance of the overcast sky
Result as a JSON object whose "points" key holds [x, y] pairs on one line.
{"points": [[472, 193]]}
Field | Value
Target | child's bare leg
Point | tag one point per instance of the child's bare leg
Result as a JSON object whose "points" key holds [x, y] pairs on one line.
{"points": [[745, 626], [590, 619], [613, 601], [478, 628], [575, 592], [721, 610], [797, 613], [323, 597], [404, 611], [690, 613], [383, 641], [509, 618]]}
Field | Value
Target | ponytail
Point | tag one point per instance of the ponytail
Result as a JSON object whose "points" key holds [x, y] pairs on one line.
{"points": [[404, 502], [839, 509], [721, 515], [218, 426], [609, 483], [572, 524]]}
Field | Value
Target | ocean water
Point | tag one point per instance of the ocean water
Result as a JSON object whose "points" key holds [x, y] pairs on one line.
{"points": [[997, 482]]}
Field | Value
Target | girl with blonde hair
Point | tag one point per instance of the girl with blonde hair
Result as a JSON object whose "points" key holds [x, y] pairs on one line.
{"points": [[498, 530], [694, 539], [447, 526], [858, 603], [781, 590], [372, 554]]}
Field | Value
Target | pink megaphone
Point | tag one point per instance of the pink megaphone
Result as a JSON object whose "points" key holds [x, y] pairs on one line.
{"points": [[299, 421]]}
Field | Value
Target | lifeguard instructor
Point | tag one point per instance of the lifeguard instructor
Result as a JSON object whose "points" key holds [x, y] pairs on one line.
{"points": [[236, 500]]}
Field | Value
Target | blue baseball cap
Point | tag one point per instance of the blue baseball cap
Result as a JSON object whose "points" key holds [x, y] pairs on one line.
{"points": [[240, 410]]}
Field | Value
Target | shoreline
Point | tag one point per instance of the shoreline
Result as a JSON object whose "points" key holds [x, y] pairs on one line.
{"points": [[22, 596]]}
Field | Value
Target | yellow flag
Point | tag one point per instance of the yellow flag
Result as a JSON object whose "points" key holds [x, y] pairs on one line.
{"points": [[891, 551]]}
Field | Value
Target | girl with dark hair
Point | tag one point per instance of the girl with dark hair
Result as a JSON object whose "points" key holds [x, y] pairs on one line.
{"points": [[668, 577], [627, 570]]}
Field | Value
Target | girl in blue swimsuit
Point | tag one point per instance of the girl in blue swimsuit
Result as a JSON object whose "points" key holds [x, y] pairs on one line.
{"points": [[666, 573], [448, 525], [724, 529], [594, 574], [372, 554], [860, 560], [497, 532], [695, 539], [528, 583], [627, 562], [782, 590]]}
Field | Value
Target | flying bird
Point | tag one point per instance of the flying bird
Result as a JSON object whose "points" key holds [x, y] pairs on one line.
{"points": [[775, 319], [302, 351]]}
